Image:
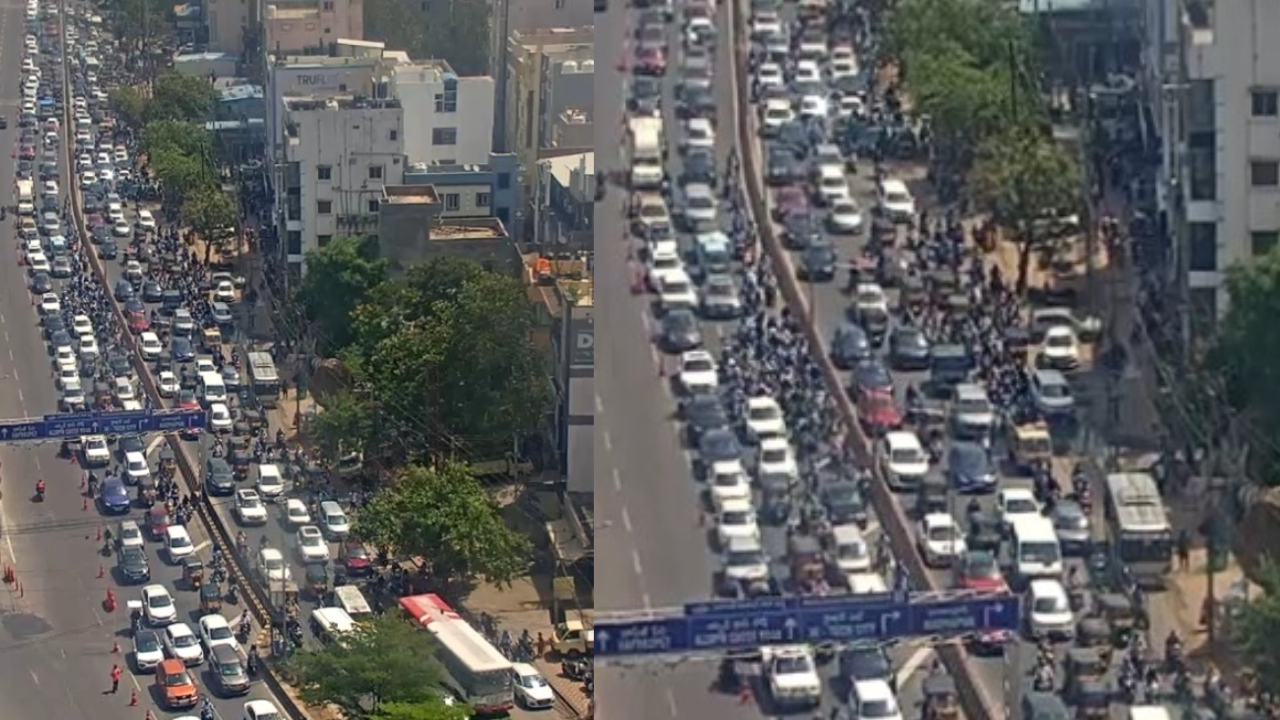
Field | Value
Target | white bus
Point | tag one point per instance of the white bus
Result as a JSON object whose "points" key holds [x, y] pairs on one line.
{"points": [[1138, 527], [264, 379], [481, 675]]}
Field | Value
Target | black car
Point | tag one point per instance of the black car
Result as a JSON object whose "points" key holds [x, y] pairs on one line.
{"points": [[696, 102], [908, 348], [130, 443], [218, 477], [844, 503], [108, 250], [720, 445], [120, 364], [703, 414], [646, 95], [134, 305], [123, 290], [698, 166], [4, 123], [59, 338], [872, 376], [152, 292], [133, 565], [849, 347], [781, 166], [818, 262], [679, 332], [793, 136], [182, 349], [863, 663], [41, 283], [800, 230]]}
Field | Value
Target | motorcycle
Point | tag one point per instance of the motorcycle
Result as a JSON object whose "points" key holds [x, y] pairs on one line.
{"points": [[233, 594], [574, 669]]}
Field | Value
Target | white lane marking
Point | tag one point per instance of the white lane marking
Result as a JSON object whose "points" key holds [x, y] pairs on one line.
{"points": [[617, 480], [626, 519], [201, 547], [155, 443], [608, 441], [34, 678], [646, 601], [599, 404], [635, 562], [913, 663], [671, 703]]}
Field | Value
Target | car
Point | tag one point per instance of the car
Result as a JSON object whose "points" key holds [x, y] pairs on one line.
{"points": [[123, 390], [41, 283], [850, 347], [355, 557], [940, 539], [87, 348], [872, 376], [227, 666], [152, 291], [719, 299], [1060, 349], [132, 563], [702, 414], [129, 534], [874, 700], [219, 478], [205, 365], [679, 331], [182, 349], [698, 372], [296, 513], [146, 220], [311, 545], [38, 264], [262, 710], [1015, 503], [215, 631], [224, 292], [113, 496], [904, 460], [727, 480], [137, 469], [764, 418], [68, 378], [969, 468], [333, 520], [150, 346], [158, 606], [1051, 392], [270, 481], [61, 267], [187, 399], [894, 201], [743, 562], [175, 686], [818, 262], [148, 651], [1050, 614], [908, 348], [844, 503], [167, 383], [979, 570], [272, 567], [532, 691], [736, 519], [862, 662], [230, 377], [878, 411], [844, 216], [220, 420], [121, 228], [64, 357], [50, 304], [249, 507], [95, 450], [1073, 527], [775, 457]]}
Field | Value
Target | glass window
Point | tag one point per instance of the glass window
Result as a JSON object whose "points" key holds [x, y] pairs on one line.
{"points": [[324, 172], [444, 136], [452, 201], [504, 181], [1203, 243], [1264, 103], [1264, 173], [482, 199], [324, 207], [1261, 242]]}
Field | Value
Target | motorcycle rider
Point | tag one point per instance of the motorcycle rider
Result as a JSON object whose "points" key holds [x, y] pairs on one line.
{"points": [[40, 488]]}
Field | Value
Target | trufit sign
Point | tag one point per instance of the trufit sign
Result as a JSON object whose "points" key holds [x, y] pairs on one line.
{"points": [[582, 335]]}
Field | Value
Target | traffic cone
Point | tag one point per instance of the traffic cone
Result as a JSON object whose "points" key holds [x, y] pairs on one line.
{"points": [[85, 506], [83, 482], [133, 698], [99, 535]]}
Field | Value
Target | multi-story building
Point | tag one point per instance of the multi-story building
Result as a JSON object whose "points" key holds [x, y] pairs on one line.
{"points": [[452, 115], [338, 153], [549, 72], [564, 201], [1213, 82], [492, 188], [296, 26]]}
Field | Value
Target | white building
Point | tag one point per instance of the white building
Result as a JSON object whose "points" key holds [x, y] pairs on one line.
{"points": [[1214, 75], [451, 117]]}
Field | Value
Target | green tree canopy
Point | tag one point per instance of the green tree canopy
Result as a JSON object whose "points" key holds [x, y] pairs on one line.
{"points": [[179, 135], [445, 516], [179, 174], [985, 32], [182, 97], [339, 278], [453, 30], [207, 210], [1256, 626], [142, 20], [131, 104], [383, 662], [434, 709], [346, 424]]}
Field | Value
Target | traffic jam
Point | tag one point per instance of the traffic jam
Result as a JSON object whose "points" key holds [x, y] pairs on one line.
{"points": [[968, 392]]}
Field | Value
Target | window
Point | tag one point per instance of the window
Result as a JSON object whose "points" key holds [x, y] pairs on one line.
{"points": [[1264, 173], [375, 172], [452, 201], [294, 241], [503, 215], [324, 207], [482, 200], [504, 181], [1262, 242], [327, 6], [322, 240], [1203, 243], [1265, 103], [324, 172], [444, 136], [373, 206], [1202, 158], [394, 135]]}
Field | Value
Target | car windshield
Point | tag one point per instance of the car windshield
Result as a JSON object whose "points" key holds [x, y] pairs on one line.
{"points": [[1051, 604], [1054, 390], [185, 641], [532, 681], [774, 456], [250, 502], [311, 540], [229, 669], [147, 642], [1019, 506], [793, 664], [906, 456], [878, 708], [982, 565], [161, 601], [737, 517], [744, 558], [764, 412], [1060, 341], [852, 550], [942, 533], [273, 563], [220, 632]]}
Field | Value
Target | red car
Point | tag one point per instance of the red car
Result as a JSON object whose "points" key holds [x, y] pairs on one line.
{"points": [[978, 570], [879, 411], [789, 200], [138, 322], [187, 400], [651, 61], [355, 558]]}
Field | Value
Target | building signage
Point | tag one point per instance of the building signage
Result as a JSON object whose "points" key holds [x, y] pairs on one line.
{"points": [[582, 333]]}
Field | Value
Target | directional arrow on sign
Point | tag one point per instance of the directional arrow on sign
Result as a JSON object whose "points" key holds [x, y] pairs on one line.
{"points": [[790, 625], [887, 620], [997, 608]]}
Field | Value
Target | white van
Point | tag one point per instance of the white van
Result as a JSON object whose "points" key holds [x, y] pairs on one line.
{"points": [[178, 542], [1036, 552], [352, 602], [334, 520], [328, 623], [212, 389], [850, 549]]}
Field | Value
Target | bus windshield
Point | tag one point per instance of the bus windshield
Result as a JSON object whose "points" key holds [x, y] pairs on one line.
{"points": [[1146, 547]]}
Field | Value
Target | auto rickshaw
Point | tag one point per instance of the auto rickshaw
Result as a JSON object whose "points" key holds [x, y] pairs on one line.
{"points": [[211, 339], [193, 572], [1121, 618], [807, 565], [157, 521], [210, 598], [931, 495], [940, 699], [317, 579], [1029, 443]]}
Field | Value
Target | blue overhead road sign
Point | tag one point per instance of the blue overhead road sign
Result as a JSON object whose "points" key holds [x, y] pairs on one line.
{"points": [[70, 425], [781, 621]]}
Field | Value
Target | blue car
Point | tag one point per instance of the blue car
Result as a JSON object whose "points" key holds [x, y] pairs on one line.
{"points": [[115, 497], [969, 468]]}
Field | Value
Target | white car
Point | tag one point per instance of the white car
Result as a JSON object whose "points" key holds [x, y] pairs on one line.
{"points": [[270, 481], [183, 644], [904, 459], [158, 605], [50, 304], [842, 63], [776, 458], [940, 539], [727, 481], [1060, 349], [219, 418], [146, 220], [845, 217], [95, 449], [148, 650], [744, 561], [874, 700], [262, 710], [65, 357], [531, 689], [765, 418], [296, 513], [124, 390], [1015, 503], [205, 365], [136, 467], [777, 112], [87, 347], [128, 534], [168, 384], [177, 542], [225, 292], [814, 106], [699, 133], [769, 75], [698, 372], [677, 290], [249, 507], [663, 261], [870, 298], [82, 326], [272, 567], [736, 519], [38, 263], [150, 346], [311, 545], [807, 73], [215, 630], [1051, 615], [69, 378], [766, 23]]}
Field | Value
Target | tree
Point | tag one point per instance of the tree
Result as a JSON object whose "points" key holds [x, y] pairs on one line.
{"points": [[1255, 627], [339, 278], [986, 32], [179, 135], [429, 710], [382, 662], [965, 103], [454, 30], [179, 174], [207, 210], [445, 516], [1021, 177], [345, 426], [131, 104], [143, 21], [182, 97]]}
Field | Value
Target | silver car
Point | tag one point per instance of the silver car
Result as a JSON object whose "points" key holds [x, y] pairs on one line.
{"points": [[1073, 527]]}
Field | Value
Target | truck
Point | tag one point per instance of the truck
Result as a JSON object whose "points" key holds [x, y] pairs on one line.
{"points": [[648, 152], [573, 639], [792, 677]]}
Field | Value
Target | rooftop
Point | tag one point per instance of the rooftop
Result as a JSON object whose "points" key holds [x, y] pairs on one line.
{"points": [[468, 229], [409, 195], [562, 167], [578, 293], [342, 102], [559, 280], [555, 40], [240, 92], [303, 62]]}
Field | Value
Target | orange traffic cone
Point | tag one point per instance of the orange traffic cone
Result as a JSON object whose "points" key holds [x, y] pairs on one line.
{"points": [[101, 572], [85, 505]]}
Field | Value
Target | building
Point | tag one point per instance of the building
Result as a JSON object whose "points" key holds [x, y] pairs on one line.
{"points": [[563, 203], [548, 72], [1213, 80], [571, 301], [414, 226], [310, 25], [499, 178], [226, 22], [338, 153], [452, 115]]}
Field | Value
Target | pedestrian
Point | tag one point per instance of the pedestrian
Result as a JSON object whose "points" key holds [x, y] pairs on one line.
{"points": [[1184, 550], [542, 644], [115, 679]]}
